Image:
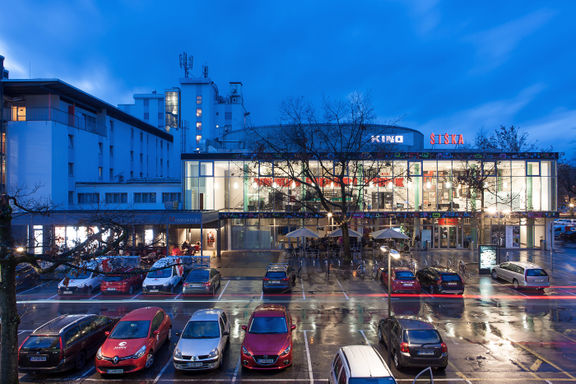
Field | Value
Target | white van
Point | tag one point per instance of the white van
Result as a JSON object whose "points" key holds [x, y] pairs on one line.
{"points": [[360, 364], [166, 279], [82, 280]]}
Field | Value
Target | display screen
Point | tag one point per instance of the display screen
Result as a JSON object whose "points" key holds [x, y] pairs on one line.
{"points": [[487, 256]]}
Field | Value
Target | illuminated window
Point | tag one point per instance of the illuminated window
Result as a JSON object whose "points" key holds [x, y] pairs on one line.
{"points": [[18, 113], [198, 112], [199, 125], [198, 138], [100, 172], [198, 99]]}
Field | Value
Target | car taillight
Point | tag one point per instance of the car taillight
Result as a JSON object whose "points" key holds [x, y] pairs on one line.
{"points": [[206, 284], [444, 348], [404, 347], [266, 279], [61, 350], [186, 284], [285, 279]]}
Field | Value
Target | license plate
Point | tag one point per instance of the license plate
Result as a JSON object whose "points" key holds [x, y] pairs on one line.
{"points": [[452, 284], [266, 361], [195, 365], [113, 371], [407, 284], [67, 292], [37, 358], [110, 289], [426, 353], [274, 282], [195, 285], [153, 290]]}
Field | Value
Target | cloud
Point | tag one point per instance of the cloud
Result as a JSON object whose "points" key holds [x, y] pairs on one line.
{"points": [[557, 129], [12, 63], [426, 13]]}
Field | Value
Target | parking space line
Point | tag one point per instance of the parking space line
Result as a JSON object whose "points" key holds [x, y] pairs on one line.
{"points": [[364, 336], [177, 297], [236, 370], [310, 373], [162, 371], [543, 359], [459, 373], [51, 297], [89, 370], [222, 292], [303, 293], [342, 288], [95, 296], [30, 289], [135, 296], [536, 366]]}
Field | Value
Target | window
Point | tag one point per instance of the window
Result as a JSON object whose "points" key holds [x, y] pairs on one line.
{"points": [[131, 174], [111, 173], [206, 168], [141, 159], [131, 133], [157, 321], [228, 115], [70, 169], [111, 151], [198, 100], [198, 112], [168, 197], [131, 155], [199, 125], [146, 116], [100, 172], [198, 138], [144, 197], [116, 198], [160, 116], [88, 198], [532, 168], [70, 197], [18, 113], [70, 141], [111, 124], [141, 137], [146, 103], [100, 148]]}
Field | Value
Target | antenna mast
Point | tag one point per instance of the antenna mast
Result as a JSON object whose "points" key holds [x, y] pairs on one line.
{"points": [[186, 63]]}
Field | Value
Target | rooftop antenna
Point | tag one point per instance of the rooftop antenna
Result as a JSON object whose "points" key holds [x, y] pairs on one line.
{"points": [[186, 63]]}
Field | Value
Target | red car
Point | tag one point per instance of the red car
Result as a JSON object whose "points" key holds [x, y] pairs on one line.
{"points": [[268, 339], [402, 280], [133, 342], [121, 281]]}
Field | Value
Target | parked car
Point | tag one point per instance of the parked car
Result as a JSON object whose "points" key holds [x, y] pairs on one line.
{"points": [[279, 277], [203, 340], [134, 341], [122, 280], [521, 274], [359, 364], [440, 280], [202, 280], [165, 276], [84, 279], [63, 343], [26, 276], [402, 280], [267, 340], [413, 343]]}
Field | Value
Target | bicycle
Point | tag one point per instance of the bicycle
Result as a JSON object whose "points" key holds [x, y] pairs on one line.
{"points": [[361, 270]]}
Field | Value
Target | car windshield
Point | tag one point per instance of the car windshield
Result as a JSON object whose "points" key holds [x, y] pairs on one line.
{"points": [[160, 273], [136, 329], [201, 330], [198, 276], [371, 380], [268, 325], [276, 275], [404, 275], [423, 336], [536, 272], [77, 274], [111, 278], [41, 342], [450, 277]]}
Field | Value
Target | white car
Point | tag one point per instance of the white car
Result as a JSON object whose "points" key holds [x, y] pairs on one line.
{"points": [[359, 364], [522, 274], [203, 340], [165, 275], [82, 280]]}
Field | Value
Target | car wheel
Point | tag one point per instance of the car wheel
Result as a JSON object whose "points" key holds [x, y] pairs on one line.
{"points": [[149, 360], [80, 361], [397, 363], [515, 284], [494, 275]]}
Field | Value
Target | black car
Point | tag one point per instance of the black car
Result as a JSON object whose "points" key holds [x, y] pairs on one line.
{"points": [[279, 277], [413, 343], [440, 280], [64, 343], [26, 276]]}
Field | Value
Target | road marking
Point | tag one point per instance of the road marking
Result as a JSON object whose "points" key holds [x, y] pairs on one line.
{"points": [[162, 371], [30, 289], [95, 296], [303, 293], [310, 373], [460, 374], [24, 330], [135, 296], [51, 297], [90, 370], [536, 365], [221, 293], [236, 371], [543, 359], [364, 336], [262, 296], [177, 297], [342, 288]]}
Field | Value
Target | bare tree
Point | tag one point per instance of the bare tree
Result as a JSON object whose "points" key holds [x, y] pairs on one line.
{"points": [[504, 139], [323, 166], [567, 182]]}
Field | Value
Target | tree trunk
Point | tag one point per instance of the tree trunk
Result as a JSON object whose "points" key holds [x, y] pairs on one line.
{"points": [[10, 322], [346, 241]]}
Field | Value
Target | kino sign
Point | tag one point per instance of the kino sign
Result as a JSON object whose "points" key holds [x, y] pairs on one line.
{"points": [[387, 139]]}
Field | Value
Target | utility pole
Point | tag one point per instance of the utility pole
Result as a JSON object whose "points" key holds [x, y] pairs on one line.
{"points": [[2, 131]]}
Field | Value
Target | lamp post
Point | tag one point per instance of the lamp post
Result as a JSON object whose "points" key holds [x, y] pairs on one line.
{"points": [[396, 255]]}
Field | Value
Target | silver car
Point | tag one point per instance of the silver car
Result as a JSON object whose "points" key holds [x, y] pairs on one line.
{"points": [[522, 275], [202, 342]]}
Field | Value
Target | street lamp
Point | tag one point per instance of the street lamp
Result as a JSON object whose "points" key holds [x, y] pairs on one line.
{"points": [[396, 255]]}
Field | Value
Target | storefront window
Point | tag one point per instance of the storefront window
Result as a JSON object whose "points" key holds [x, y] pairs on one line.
{"points": [[429, 181]]}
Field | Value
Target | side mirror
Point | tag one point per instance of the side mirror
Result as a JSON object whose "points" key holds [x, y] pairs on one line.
{"points": [[244, 327], [156, 332], [107, 333], [293, 326]]}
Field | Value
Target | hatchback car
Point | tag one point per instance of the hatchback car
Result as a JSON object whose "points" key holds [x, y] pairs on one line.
{"points": [[440, 280], [522, 275], [361, 364], [203, 340], [279, 277], [26, 276], [63, 343], [402, 280], [81, 280], [123, 280], [133, 342], [267, 342], [202, 280], [413, 343]]}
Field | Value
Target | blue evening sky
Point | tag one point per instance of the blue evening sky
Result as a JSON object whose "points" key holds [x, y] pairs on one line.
{"points": [[436, 66]]}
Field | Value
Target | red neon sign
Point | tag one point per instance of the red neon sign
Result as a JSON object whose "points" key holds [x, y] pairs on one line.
{"points": [[446, 138]]}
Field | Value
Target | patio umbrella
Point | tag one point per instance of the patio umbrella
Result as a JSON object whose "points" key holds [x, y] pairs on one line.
{"points": [[338, 233], [388, 233], [303, 232]]}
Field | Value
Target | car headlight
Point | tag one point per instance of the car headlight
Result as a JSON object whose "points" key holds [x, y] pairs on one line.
{"points": [[177, 353], [99, 354], [139, 353], [213, 353], [245, 351], [286, 351]]}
